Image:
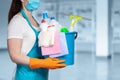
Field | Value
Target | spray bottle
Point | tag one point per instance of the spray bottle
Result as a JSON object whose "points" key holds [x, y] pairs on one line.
{"points": [[46, 18]]}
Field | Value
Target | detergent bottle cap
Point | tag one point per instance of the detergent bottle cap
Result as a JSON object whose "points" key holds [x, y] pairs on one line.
{"points": [[43, 21], [45, 15], [52, 18], [64, 29]]}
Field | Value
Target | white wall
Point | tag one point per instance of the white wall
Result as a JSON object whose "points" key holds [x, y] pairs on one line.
{"points": [[116, 26], [4, 7]]}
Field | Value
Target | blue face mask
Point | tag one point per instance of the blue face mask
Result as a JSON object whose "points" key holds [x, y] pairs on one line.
{"points": [[32, 5]]}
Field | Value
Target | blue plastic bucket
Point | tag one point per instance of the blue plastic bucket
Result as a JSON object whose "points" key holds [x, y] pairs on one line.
{"points": [[70, 37]]}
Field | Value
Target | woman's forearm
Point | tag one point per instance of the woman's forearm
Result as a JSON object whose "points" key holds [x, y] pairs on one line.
{"points": [[20, 59], [14, 48]]}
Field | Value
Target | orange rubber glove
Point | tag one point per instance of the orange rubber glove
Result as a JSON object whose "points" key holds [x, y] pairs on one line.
{"points": [[54, 59], [49, 63]]}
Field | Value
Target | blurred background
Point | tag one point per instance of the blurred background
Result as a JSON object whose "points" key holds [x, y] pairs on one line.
{"points": [[97, 47]]}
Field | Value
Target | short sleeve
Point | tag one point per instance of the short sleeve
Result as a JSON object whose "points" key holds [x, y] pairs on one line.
{"points": [[15, 28]]}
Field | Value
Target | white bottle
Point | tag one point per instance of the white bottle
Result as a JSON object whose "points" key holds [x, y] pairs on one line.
{"points": [[55, 26], [46, 18], [44, 25]]}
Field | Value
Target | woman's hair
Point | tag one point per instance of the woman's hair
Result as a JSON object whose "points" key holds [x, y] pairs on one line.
{"points": [[16, 6]]}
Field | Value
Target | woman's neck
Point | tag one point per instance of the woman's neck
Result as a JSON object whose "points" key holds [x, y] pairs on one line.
{"points": [[29, 14]]}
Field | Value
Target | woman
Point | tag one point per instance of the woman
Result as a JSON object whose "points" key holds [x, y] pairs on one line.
{"points": [[23, 43]]}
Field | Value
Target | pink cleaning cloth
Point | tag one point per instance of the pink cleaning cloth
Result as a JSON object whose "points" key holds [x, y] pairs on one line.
{"points": [[64, 48], [55, 49]]}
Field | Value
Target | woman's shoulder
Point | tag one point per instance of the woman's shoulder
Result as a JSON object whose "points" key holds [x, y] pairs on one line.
{"points": [[17, 23], [17, 19]]}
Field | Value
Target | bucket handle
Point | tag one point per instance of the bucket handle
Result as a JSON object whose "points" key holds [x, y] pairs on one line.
{"points": [[76, 35]]}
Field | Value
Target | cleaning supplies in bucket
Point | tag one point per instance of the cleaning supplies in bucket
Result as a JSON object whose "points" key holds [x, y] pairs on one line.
{"points": [[49, 38], [56, 41]]}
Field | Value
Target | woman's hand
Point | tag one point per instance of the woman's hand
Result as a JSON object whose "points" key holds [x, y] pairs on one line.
{"points": [[50, 63]]}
